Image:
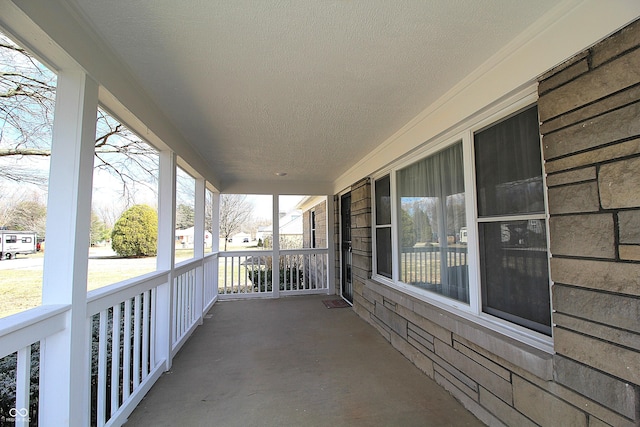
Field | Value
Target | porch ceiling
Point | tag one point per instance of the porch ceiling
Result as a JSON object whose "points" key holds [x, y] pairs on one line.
{"points": [[304, 87]]}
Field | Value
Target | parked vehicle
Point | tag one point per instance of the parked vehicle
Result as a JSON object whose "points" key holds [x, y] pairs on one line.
{"points": [[14, 242]]}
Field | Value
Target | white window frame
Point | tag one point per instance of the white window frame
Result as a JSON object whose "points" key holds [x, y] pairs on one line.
{"points": [[312, 228], [375, 227], [463, 132]]}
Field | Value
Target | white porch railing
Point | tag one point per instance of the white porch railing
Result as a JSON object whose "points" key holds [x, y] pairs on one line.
{"points": [[124, 362], [128, 325], [18, 335], [134, 328], [247, 274]]}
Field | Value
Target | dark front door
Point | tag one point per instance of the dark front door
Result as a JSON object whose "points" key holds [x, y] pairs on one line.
{"points": [[345, 221]]}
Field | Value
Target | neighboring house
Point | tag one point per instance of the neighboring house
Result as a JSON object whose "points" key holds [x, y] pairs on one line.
{"points": [[314, 224], [263, 232], [290, 230], [240, 238], [184, 238], [314, 221]]}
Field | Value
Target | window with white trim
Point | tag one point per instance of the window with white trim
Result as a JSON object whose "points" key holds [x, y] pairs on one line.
{"points": [[469, 225], [383, 226], [312, 227], [512, 236]]}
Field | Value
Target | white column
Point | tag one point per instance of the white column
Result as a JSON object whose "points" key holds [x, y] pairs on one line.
{"points": [[275, 263], [166, 254], [215, 240], [215, 223], [198, 230], [198, 244], [331, 250], [166, 210], [65, 357]]}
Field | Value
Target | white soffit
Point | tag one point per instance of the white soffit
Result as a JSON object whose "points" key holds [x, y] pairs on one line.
{"points": [[304, 87]]}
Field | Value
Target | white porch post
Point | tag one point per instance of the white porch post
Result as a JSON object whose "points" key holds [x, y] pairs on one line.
{"points": [[65, 357], [198, 244], [166, 254], [215, 223], [215, 240], [275, 262], [331, 250], [198, 230]]}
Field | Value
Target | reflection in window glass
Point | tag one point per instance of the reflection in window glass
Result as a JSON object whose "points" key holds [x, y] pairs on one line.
{"points": [[383, 201], [384, 263], [515, 272], [509, 166], [513, 254], [432, 218]]}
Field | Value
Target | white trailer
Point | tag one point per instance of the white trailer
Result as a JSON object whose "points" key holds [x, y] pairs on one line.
{"points": [[14, 242]]}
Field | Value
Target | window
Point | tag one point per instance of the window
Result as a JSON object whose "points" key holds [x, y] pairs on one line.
{"points": [[11, 238], [511, 222], [431, 202], [313, 228], [27, 240], [383, 226], [469, 227]]}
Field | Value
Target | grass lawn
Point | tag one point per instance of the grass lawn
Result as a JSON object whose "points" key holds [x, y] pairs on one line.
{"points": [[21, 288]]}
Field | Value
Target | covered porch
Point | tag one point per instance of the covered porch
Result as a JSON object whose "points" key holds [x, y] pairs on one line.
{"points": [[291, 361], [279, 101]]}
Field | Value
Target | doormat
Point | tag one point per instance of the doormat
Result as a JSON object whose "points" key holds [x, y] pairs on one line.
{"points": [[335, 303]]}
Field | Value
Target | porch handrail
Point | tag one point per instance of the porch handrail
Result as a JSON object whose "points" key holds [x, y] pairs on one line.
{"points": [[25, 328], [251, 273], [223, 254], [186, 265], [108, 296], [304, 251]]}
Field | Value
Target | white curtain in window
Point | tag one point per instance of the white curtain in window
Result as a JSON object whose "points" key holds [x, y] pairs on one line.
{"points": [[431, 215]]}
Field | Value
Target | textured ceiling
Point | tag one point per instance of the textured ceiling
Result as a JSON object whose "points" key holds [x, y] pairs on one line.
{"points": [[307, 87]]}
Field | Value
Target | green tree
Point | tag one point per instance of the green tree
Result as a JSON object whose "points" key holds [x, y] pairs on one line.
{"points": [[408, 230], [99, 230], [135, 234], [424, 233], [184, 217]]}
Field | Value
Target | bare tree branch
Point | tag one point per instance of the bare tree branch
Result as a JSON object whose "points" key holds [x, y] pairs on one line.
{"points": [[5, 152]]}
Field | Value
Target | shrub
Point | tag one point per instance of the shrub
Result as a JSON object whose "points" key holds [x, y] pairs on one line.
{"points": [[135, 234], [262, 279]]}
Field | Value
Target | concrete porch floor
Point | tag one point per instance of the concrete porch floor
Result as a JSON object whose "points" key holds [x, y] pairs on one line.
{"points": [[293, 362]]}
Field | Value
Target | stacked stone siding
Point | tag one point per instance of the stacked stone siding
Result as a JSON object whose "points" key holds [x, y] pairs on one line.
{"points": [[336, 244], [360, 234], [590, 113]]}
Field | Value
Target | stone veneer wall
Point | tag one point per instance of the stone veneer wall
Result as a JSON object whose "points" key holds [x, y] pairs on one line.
{"points": [[360, 234], [321, 226], [591, 120], [336, 244], [590, 113]]}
